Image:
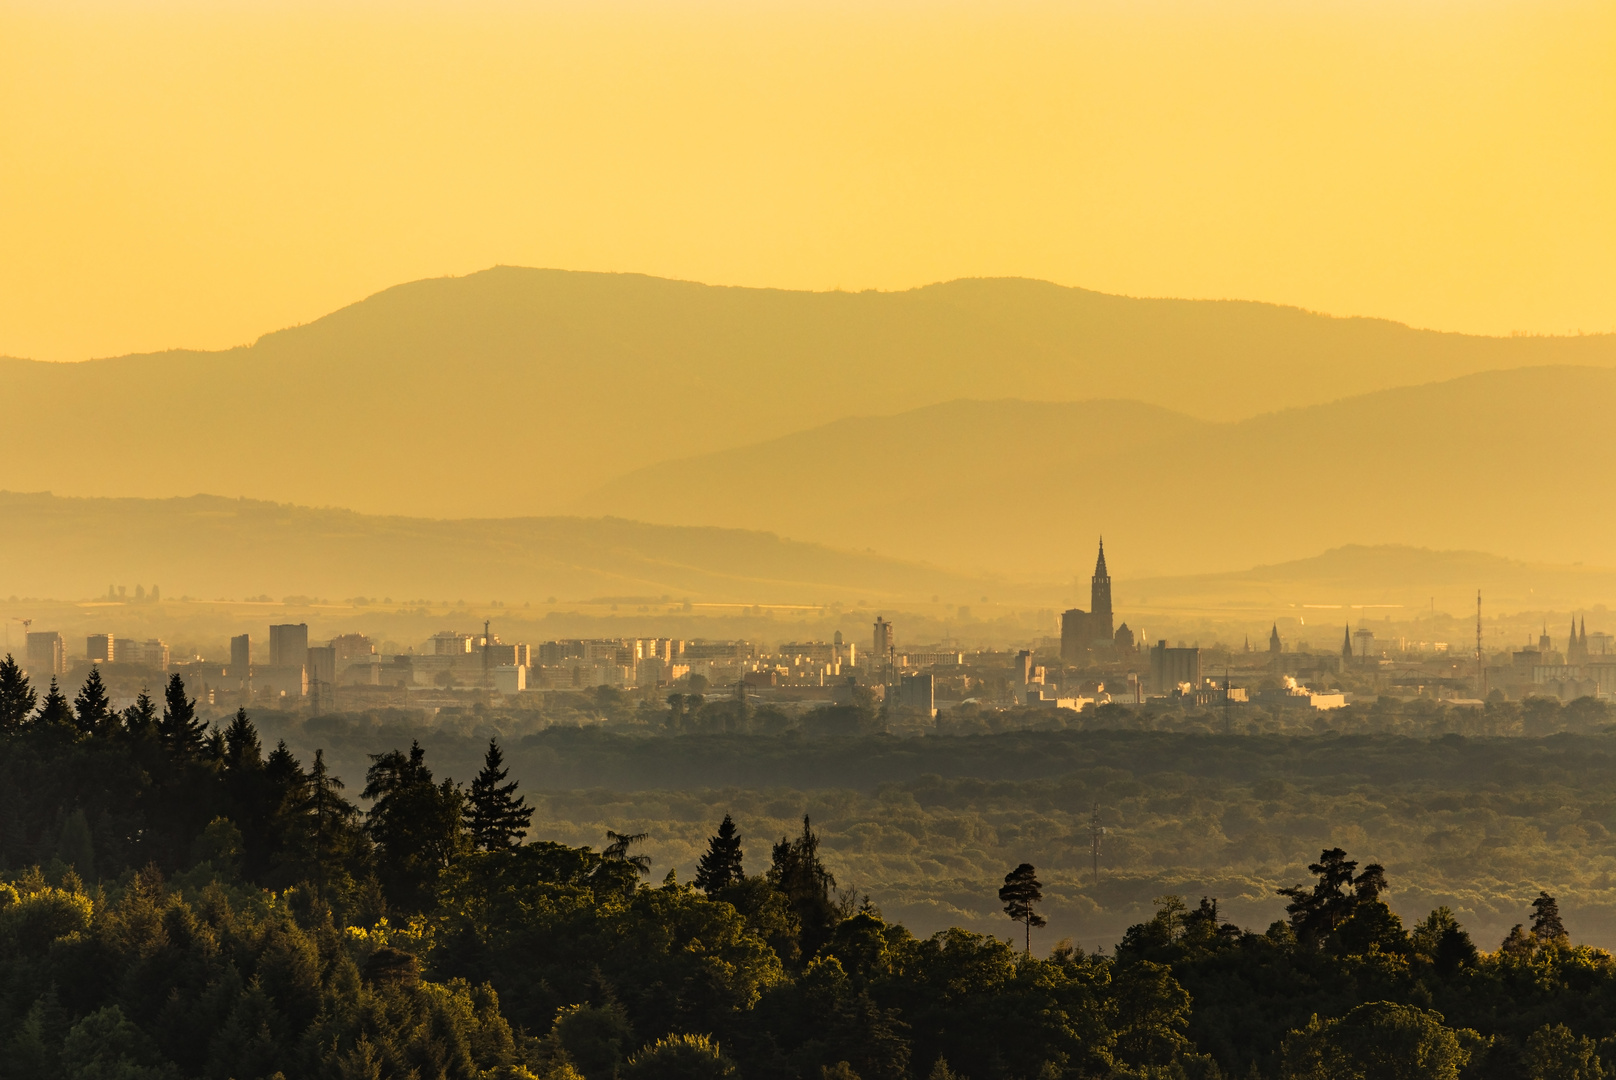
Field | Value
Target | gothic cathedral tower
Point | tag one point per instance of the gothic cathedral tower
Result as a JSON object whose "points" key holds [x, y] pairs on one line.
{"points": [[1100, 600]]}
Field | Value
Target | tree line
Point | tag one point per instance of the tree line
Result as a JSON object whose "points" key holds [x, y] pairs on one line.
{"points": [[179, 903]]}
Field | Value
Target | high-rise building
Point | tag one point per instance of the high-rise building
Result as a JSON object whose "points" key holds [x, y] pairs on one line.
{"points": [[289, 645], [47, 654], [351, 646], [883, 640], [240, 655], [322, 664], [100, 648]]}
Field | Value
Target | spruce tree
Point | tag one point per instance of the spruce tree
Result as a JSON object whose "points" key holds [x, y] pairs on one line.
{"points": [[17, 698], [242, 750], [1021, 891], [140, 719], [54, 711], [92, 709], [496, 817], [183, 734], [721, 866]]}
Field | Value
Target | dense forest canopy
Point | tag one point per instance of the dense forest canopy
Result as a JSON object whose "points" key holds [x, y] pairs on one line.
{"points": [[183, 900]]}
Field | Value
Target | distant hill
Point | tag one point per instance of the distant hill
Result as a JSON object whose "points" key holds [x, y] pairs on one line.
{"points": [[513, 392], [1388, 580], [209, 547], [1507, 461]]}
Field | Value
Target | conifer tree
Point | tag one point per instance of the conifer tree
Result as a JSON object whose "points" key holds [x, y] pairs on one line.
{"points": [[17, 698], [140, 719], [92, 709], [1021, 891], [182, 732], [721, 866], [54, 711], [242, 750], [327, 817], [496, 816], [416, 825], [618, 851], [1546, 924]]}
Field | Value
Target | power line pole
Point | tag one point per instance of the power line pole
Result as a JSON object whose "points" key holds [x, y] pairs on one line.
{"points": [[1095, 832]]}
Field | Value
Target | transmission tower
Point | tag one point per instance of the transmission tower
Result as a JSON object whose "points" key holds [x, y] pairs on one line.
{"points": [[1095, 833]]}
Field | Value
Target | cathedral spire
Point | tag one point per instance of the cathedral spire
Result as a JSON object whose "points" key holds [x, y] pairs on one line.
{"points": [[1346, 643], [1099, 564]]}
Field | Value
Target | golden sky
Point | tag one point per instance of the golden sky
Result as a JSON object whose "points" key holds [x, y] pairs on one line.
{"points": [[197, 173]]}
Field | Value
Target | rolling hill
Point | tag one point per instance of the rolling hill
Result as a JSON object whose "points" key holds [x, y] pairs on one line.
{"points": [[207, 547], [1504, 461], [514, 392]]}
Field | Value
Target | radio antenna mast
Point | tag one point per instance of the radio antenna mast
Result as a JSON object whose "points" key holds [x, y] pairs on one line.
{"points": [[1481, 664]]}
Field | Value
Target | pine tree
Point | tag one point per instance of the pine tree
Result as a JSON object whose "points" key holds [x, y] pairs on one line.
{"points": [[1546, 924], [1021, 891], [54, 711], [721, 866], [496, 817], [182, 732], [92, 710], [17, 698]]}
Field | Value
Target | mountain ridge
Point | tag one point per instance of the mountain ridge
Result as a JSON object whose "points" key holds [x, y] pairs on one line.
{"points": [[515, 391]]}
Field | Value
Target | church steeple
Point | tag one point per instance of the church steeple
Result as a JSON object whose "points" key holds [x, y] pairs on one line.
{"points": [[1100, 599], [1346, 643], [1274, 644]]}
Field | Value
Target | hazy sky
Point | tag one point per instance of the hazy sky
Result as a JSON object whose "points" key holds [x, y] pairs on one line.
{"points": [[198, 173]]}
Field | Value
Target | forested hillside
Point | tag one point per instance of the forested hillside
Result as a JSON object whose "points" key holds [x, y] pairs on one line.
{"points": [[180, 903]]}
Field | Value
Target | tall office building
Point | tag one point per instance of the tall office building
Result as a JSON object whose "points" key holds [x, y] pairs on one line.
{"points": [[289, 645], [47, 654], [100, 648], [883, 640], [240, 655]]}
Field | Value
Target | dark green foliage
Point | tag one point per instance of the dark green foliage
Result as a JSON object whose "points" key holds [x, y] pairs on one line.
{"points": [[92, 710], [496, 817], [182, 733], [17, 697], [721, 867], [1020, 894], [54, 711], [797, 871], [143, 945]]}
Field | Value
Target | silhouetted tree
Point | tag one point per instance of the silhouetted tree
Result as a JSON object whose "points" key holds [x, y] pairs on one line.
{"points": [[17, 698], [140, 719], [618, 851], [1020, 892], [416, 825], [54, 711], [496, 817], [92, 710], [242, 749], [183, 734], [720, 867], [1315, 913], [1546, 924], [327, 820], [797, 871]]}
